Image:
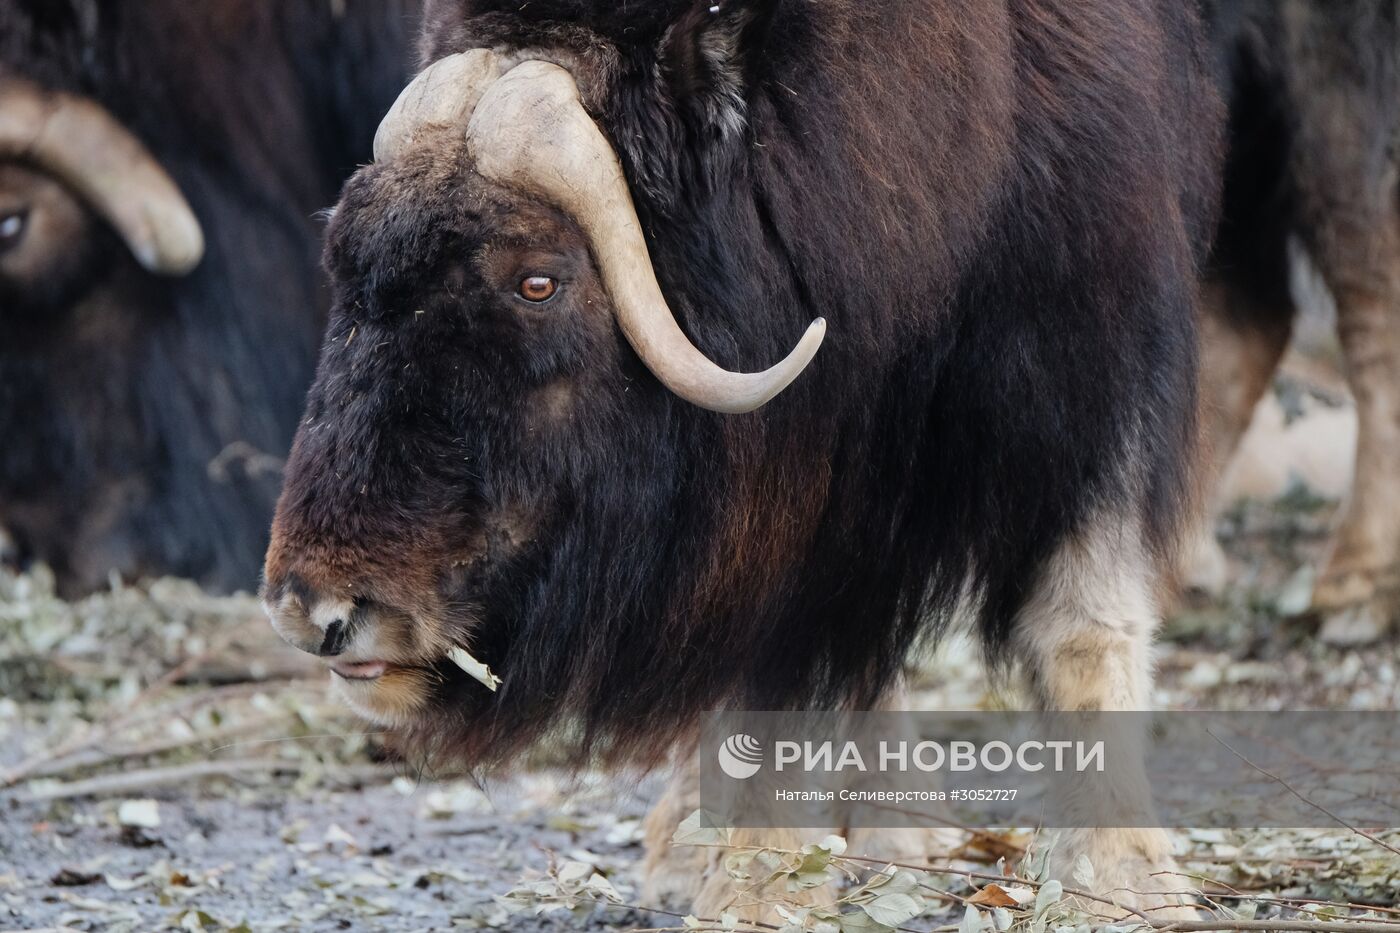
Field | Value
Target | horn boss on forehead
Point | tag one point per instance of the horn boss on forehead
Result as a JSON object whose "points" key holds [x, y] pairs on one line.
{"points": [[81, 144], [527, 129], [444, 94]]}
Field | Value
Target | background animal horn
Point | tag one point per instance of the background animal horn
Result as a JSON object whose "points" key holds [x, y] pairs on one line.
{"points": [[82, 145], [530, 131], [444, 94]]}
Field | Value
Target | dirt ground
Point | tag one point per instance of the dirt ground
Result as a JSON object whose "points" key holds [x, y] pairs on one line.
{"points": [[167, 766]]}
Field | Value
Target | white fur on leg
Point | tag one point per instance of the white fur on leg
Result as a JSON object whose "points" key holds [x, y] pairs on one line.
{"points": [[1085, 639]]}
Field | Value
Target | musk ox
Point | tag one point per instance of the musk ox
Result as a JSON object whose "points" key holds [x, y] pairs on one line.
{"points": [[1314, 155], [161, 164], [535, 434]]}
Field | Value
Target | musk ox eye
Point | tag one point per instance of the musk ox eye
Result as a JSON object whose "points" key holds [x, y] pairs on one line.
{"points": [[12, 228], [538, 289]]}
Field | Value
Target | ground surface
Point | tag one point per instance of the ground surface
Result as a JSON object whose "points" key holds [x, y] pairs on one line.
{"points": [[273, 810]]}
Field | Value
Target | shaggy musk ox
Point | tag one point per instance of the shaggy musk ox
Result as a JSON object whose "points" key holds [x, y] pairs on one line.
{"points": [[587, 227], [1314, 94], [161, 163]]}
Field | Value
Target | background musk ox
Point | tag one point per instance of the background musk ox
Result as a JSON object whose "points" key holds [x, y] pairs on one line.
{"points": [[1314, 94], [998, 207], [146, 396]]}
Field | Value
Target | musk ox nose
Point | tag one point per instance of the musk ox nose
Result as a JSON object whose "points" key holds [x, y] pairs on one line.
{"points": [[335, 640], [326, 629]]}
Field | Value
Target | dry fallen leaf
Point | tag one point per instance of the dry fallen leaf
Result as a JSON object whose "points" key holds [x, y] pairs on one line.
{"points": [[993, 895]]}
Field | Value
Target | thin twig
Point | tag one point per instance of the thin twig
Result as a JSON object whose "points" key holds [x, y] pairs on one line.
{"points": [[1316, 806], [132, 782], [1279, 926], [97, 757]]}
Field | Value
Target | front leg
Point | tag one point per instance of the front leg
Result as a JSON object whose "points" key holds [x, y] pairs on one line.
{"points": [[693, 879], [673, 875], [1084, 639]]}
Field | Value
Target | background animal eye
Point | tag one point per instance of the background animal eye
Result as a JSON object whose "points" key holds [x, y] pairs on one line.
{"points": [[11, 228], [538, 288]]}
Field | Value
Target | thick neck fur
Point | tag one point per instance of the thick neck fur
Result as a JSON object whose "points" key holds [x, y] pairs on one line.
{"points": [[999, 208]]}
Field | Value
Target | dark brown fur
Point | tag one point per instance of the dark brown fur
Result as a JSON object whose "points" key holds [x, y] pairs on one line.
{"points": [[120, 390], [999, 207]]}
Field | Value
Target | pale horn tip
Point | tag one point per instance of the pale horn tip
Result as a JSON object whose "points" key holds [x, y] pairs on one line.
{"points": [[767, 385], [175, 244]]}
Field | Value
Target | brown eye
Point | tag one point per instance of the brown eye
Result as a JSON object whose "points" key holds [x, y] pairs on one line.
{"points": [[538, 288]]}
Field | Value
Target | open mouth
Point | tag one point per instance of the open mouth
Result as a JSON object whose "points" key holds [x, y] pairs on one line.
{"points": [[363, 670]]}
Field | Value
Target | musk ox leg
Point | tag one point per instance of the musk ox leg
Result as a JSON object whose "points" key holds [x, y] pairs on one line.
{"points": [[694, 879], [672, 875], [1349, 218], [719, 894], [1242, 340], [1084, 640], [911, 844], [1358, 591]]}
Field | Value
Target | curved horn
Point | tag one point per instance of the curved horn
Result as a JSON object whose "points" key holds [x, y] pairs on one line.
{"points": [[444, 94], [530, 131], [80, 143]]}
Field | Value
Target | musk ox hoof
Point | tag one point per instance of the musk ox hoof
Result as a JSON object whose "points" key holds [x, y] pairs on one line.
{"points": [[1356, 625], [752, 901], [1131, 868], [672, 877], [1354, 607], [1148, 887], [1337, 590]]}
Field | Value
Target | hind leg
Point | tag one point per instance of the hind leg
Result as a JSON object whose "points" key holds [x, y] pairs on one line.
{"points": [[1244, 332], [1084, 639], [1349, 217], [1357, 591]]}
